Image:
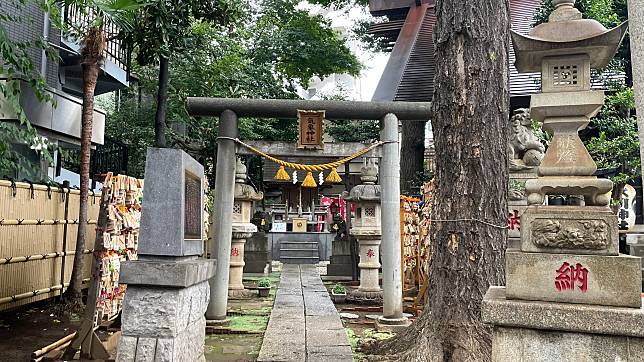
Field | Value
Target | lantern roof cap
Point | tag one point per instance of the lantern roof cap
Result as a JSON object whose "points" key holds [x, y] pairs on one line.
{"points": [[566, 33], [368, 190], [364, 192]]}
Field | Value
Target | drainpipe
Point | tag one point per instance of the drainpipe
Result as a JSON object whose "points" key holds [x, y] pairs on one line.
{"points": [[45, 35]]}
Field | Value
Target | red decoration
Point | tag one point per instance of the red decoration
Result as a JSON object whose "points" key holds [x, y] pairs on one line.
{"points": [[234, 252], [514, 221], [370, 253], [568, 275]]}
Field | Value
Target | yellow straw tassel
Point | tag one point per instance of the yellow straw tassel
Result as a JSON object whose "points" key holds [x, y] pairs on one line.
{"points": [[309, 181], [282, 175], [333, 177]]}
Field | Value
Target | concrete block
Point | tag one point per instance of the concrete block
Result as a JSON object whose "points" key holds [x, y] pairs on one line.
{"points": [[167, 273], [568, 278], [165, 346], [498, 310], [569, 230], [172, 216], [162, 312], [146, 349], [126, 351]]}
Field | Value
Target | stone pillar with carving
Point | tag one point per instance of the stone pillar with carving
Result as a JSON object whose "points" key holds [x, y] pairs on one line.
{"points": [[366, 229], [245, 196], [525, 153], [569, 294]]}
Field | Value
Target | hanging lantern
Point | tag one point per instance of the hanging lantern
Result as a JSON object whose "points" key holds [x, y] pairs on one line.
{"points": [[281, 175]]}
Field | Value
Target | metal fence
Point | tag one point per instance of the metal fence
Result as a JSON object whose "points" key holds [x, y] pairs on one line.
{"points": [[38, 228]]}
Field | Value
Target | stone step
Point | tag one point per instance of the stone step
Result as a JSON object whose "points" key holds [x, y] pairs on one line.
{"points": [[299, 260], [284, 245], [299, 252]]}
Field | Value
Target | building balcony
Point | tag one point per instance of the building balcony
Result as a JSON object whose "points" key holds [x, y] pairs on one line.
{"points": [[115, 69], [62, 122]]}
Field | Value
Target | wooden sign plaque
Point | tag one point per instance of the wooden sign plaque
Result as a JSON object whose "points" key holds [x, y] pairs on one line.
{"points": [[311, 133]]}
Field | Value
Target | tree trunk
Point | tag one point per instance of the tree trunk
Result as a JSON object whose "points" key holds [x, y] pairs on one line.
{"points": [[413, 156], [162, 103], [470, 122], [92, 54]]}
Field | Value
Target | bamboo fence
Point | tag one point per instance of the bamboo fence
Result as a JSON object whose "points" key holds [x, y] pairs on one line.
{"points": [[38, 228]]}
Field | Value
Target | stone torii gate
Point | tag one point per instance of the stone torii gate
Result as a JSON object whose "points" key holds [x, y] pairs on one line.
{"points": [[230, 109]]}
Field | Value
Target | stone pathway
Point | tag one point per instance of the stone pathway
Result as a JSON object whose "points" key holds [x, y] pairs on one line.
{"points": [[304, 324]]}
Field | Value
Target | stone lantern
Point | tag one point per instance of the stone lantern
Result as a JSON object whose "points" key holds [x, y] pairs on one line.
{"points": [[243, 229], [569, 294], [366, 229]]}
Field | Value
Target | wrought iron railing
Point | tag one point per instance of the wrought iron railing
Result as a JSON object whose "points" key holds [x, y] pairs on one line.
{"points": [[116, 51], [112, 156]]}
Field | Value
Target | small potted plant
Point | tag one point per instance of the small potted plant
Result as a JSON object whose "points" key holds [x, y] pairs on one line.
{"points": [[264, 287], [339, 293]]}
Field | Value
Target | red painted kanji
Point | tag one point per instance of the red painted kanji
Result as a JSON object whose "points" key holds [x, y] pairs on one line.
{"points": [[568, 276], [371, 253], [514, 221], [234, 252]]}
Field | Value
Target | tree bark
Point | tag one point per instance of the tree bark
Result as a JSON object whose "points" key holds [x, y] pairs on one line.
{"points": [[90, 75], [162, 103], [92, 54], [470, 123], [413, 156]]}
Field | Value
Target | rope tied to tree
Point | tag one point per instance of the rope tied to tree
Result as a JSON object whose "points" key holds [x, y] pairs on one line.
{"points": [[474, 220]]}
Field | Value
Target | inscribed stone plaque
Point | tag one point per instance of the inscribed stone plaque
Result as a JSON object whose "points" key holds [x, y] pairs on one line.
{"points": [[193, 212]]}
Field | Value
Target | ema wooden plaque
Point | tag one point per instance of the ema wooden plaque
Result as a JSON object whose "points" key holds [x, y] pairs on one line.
{"points": [[311, 129]]}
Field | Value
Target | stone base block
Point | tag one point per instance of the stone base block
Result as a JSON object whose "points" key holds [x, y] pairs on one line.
{"points": [[568, 278], [256, 262], [497, 309], [188, 346], [164, 324], [541, 331], [365, 297], [532, 345], [240, 294], [340, 265], [394, 325], [514, 243], [570, 230], [167, 272]]}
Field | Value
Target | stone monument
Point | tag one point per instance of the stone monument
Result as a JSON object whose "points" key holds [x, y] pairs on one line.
{"points": [[366, 229], [340, 261], [167, 287], [243, 229], [570, 295], [525, 153]]}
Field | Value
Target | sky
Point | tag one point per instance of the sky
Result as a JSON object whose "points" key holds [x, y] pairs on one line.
{"points": [[374, 63]]}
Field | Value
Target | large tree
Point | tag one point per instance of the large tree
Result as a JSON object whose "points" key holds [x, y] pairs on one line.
{"points": [[470, 118], [93, 37], [163, 29], [265, 53]]}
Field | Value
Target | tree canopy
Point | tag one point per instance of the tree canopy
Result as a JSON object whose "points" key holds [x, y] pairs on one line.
{"points": [[270, 49]]}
